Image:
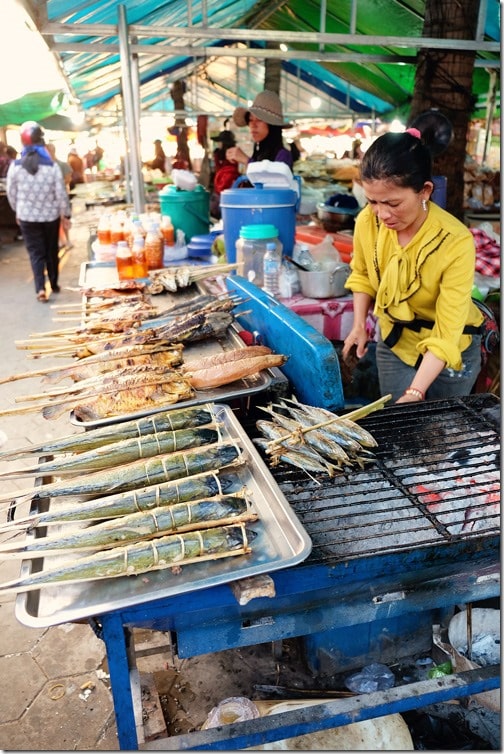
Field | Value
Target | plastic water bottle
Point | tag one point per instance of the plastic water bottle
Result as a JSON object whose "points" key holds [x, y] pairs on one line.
{"points": [[271, 269]]}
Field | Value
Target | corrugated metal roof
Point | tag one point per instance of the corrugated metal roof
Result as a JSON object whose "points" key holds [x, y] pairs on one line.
{"points": [[358, 56]]}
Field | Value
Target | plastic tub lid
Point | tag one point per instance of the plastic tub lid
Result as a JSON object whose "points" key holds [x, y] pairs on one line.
{"points": [[258, 231], [205, 240], [271, 173]]}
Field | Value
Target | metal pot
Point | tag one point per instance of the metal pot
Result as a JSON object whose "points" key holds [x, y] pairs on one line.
{"points": [[324, 284]]}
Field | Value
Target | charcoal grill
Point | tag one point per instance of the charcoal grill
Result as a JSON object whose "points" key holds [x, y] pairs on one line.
{"points": [[395, 545]]}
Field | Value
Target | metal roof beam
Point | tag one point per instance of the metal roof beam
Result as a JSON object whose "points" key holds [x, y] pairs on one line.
{"points": [[246, 35], [162, 50]]}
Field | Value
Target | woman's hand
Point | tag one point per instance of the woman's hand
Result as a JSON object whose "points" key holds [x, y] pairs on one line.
{"points": [[235, 154], [408, 398], [358, 336]]}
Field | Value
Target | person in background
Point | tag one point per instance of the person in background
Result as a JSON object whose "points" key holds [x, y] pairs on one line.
{"points": [[265, 121], [416, 262], [65, 168], [77, 166], [5, 160], [37, 194], [159, 161], [66, 171], [225, 171]]}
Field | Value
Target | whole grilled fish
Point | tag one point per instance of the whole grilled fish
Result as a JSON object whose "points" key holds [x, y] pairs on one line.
{"points": [[123, 402], [142, 473], [174, 550], [194, 416], [195, 487], [124, 451], [139, 526]]}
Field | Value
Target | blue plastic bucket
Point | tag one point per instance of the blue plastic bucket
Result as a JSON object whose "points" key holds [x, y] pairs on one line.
{"points": [[189, 210], [258, 205]]}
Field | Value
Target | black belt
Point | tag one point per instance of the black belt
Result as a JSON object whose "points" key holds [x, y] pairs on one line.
{"points": [[416, 325]]}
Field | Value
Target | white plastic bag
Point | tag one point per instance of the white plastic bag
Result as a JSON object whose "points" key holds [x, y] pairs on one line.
{"points": [[234, 709]]}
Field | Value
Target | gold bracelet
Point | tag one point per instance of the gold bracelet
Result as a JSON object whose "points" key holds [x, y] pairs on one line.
{"points": [[416, 392]]}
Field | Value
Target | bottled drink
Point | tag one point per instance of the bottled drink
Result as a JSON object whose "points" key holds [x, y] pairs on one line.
{"points": [[103, 231], [124, 261], [167, 231], [139, 262], [116, 230], [154, 248], [271, 267]]}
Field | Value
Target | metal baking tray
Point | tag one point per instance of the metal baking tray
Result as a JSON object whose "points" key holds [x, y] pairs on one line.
{"points": [[281, 541], [103, 273]]}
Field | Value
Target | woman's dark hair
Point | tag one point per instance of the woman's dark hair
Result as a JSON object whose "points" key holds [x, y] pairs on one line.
{"points": [[398, 157], [269, 147]]}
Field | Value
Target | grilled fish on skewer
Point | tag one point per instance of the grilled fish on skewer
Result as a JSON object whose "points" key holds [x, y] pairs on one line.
{"points": [[208, 484], [94, 438], [297, 457], [123, 402], [298, 451], [109, 382], [140, 526], [224, 373], [144, 398], [162, 468], [196, 365], [316, 439], [322, 415], [331, 431], [118, 453], [142, 557], [124, 288], [106, 360]]}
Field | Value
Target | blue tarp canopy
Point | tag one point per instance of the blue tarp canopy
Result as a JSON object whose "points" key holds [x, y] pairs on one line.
{"points": [[358, 57]]}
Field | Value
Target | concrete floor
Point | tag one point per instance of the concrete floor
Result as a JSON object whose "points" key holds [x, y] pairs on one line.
{"points": [[55, 693], [45, 671]]}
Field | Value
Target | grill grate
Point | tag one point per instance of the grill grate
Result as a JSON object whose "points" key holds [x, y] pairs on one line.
{"points": [[435, 480]]}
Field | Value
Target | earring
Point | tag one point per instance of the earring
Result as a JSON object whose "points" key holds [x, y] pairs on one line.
{"points": [[424, 205]]}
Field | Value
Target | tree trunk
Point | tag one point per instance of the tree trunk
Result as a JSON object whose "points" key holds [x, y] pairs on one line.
{"points": [[272, 71], [443, 81], [182, 158]]}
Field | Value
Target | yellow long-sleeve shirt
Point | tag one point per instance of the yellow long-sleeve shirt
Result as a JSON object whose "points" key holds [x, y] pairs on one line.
{"points": [[431, 278]]}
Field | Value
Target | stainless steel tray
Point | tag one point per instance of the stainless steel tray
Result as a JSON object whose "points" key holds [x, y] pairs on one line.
{"points": [[100, 274], [281, 541]]}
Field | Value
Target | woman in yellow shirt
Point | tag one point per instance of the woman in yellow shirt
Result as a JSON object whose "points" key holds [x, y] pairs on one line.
{"points": [[416, 262]]}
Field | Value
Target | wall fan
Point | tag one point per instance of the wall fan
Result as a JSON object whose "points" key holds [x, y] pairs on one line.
{"points": [[436, 130]]}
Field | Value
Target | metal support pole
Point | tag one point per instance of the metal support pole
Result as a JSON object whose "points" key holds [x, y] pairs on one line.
{"points": [[132, 126], [490, 110]]}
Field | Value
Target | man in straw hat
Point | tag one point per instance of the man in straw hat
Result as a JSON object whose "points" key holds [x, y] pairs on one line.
{"points": [[265, 121]]}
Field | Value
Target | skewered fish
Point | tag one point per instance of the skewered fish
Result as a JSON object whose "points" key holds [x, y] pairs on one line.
{"points": [[208, 484], [124, 402], [142, 557], [195, 416], [140, 526], [124, 451], [161, 468]]}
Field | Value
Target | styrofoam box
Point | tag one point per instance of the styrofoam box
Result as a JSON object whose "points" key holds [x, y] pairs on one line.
{"points": [[331, 317]]}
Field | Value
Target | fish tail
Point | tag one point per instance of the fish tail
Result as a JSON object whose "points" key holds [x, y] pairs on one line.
{"points": [[53, 412]]}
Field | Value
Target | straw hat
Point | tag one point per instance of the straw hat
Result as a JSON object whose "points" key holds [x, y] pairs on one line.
{"points": [[266, 106]]}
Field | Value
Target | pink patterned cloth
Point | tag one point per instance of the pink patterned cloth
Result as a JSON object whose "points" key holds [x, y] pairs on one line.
{"points": [[487, 253]]}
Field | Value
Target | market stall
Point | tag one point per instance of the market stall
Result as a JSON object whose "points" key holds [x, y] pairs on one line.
{"points": [[386, 564]]}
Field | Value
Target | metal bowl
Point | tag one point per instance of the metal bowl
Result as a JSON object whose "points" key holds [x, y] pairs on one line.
{"points": [[334, 219]]}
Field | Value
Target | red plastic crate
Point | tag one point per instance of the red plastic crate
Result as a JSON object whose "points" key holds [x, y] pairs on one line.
{"points": [[311, 234], [332, 317]]}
